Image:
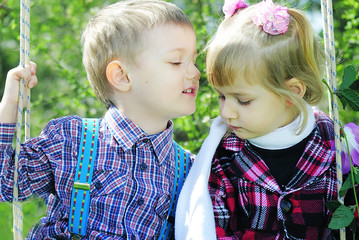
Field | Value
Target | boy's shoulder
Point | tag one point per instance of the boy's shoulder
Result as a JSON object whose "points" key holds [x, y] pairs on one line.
{"points": [[67, 121], [64, 126]]}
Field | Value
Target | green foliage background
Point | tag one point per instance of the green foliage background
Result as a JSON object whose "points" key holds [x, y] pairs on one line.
{"points": [[56, 28]]}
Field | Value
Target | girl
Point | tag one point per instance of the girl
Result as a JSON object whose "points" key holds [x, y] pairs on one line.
{"points": [[266, 169]]}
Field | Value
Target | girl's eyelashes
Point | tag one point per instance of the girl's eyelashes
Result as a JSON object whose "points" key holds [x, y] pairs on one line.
{"points": [[244, 103], [221, 97], [176, 63], [241, 102]]}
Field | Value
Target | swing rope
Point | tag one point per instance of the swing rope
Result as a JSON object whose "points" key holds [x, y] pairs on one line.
{"points": [[23, 109], [328, 33]]}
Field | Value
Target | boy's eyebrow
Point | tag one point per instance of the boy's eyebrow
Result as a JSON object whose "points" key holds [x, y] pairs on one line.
{"points": [[180, 49]]}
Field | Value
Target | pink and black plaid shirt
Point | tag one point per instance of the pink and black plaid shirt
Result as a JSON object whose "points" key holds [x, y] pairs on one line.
{"points": [[131, 186], [249, 204]]}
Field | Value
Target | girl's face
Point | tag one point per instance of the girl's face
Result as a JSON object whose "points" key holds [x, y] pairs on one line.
{"points": [[252, 110]]}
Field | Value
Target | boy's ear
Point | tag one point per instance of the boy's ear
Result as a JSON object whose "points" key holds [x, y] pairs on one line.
{"points": [[297, 86], [117, 76]]}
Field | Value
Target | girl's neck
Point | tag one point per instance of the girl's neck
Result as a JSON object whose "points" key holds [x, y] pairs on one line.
{"points": [[286, 136]]}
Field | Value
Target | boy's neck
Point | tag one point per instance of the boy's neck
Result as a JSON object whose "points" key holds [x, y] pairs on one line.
{"points": [[149, 125]]}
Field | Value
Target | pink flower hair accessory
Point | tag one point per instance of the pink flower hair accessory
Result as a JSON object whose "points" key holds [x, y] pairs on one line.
{"points": [[274, 19], [231, 6]]}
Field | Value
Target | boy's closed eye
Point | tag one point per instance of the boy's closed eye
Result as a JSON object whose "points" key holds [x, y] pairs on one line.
{"points": [[176, 63], [176, 58]]}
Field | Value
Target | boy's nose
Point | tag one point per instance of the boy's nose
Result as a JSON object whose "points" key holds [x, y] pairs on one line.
{"points": [[193, 73]]}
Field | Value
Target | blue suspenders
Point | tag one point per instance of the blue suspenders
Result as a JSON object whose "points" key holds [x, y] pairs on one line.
{"points": [[182, 168], [80, 200]]}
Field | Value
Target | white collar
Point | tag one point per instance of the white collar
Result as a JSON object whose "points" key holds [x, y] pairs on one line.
{"points": [[286, 136]]}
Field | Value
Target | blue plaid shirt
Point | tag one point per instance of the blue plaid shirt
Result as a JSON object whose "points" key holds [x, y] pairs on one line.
{"points": [[131, 185]]}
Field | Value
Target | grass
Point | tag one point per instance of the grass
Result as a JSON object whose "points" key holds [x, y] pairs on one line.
{"points": [[32, 210]]}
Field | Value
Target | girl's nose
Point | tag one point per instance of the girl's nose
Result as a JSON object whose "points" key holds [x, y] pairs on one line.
{"points": [[227, 110]]}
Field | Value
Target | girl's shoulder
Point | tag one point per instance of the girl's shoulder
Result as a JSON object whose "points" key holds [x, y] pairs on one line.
{"points": [[231, 142], [325, 124]]}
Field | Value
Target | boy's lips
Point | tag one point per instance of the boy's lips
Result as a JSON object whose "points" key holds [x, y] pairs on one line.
{"points": [[191, 91]]}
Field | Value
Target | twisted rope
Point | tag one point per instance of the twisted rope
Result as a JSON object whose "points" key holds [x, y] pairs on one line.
{"points": [[328, 33], [24, 107]]}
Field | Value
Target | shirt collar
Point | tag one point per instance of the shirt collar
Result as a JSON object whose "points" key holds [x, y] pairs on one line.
{"points": [[127, 133], [162, 143]]}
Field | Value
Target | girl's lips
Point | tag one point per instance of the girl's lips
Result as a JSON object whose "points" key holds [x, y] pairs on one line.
{"points": [[234, 127]]}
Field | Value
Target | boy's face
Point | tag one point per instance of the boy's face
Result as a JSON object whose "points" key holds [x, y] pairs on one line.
{"points": [[164, 76], [252, 110]]}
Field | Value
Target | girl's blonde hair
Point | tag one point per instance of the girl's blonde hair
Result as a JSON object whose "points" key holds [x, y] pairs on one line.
{"points": [[241, 49], [116, 32]]}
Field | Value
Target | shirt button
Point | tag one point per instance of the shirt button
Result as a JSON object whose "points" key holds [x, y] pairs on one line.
{"points": [[98, 185], [133, 237], [146, 140], [286, 206], [140, 201], [143, 166]]}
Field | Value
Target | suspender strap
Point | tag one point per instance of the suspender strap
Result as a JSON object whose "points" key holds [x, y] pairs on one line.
{"points": [[182, 168], [80, 200]]}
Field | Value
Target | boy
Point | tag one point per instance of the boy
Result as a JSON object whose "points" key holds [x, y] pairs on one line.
{"points": [[139, 57]]}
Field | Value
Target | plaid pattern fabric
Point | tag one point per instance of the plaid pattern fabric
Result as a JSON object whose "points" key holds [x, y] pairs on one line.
{"points": [[249, 204], [131, 185]]}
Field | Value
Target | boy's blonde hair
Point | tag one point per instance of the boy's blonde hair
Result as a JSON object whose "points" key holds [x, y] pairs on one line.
{"points": [[116, 33], [241, 49]]}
